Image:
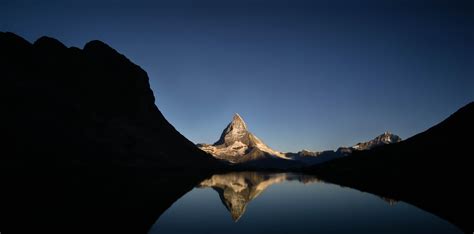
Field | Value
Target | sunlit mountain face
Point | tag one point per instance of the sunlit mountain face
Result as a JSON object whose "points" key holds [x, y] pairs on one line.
{"points": [[237, 144]]}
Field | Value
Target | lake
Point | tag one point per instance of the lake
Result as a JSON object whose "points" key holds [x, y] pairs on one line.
{"points": [[256, 202]]}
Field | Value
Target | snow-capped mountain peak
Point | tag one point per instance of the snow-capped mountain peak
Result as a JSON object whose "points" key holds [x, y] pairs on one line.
{"points": [[237, 144], [383, 139]]}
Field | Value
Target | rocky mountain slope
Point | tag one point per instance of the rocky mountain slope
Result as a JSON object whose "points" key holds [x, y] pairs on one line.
{"points": [[65, 105], [84, 141], [238, 145]]}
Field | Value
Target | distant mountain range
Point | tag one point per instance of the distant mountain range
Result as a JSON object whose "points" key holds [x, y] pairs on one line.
{"points": [[83, 106], [384, 139], [237, 145], [312, 158]]}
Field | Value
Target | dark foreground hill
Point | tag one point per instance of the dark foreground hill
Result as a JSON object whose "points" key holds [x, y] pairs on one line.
{"points": [[84, 148], [65, 105], [431, 170]]}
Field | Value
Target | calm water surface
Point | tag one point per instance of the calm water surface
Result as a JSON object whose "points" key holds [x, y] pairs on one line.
{"points": [[249, 202]]}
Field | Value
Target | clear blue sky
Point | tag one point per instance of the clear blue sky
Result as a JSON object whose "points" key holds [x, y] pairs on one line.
{"points": [[303, 74]]}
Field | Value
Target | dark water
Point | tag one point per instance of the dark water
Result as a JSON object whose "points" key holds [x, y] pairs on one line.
{"points": [[248, 202]]}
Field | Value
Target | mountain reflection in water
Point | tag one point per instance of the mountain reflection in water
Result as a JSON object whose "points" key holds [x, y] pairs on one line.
{"points": [[237, 189], [296, 203]]}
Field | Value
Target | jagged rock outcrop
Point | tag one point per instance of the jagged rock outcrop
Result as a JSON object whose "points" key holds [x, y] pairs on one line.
{"points": [[83, 106]]}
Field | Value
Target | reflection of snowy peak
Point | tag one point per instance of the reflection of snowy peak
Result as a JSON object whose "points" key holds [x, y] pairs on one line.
{"points": [[237, 189], [237, 144]]}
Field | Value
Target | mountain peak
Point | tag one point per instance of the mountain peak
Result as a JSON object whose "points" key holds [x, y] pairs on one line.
{"points": [[235, 131], [237, 116], [237, 121], [48, 43], [388, 138], [385, 138], [96, 45], [238, 144]]}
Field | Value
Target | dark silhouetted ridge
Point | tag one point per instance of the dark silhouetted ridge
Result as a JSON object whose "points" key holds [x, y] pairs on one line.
{"points": [[84, 147], [49, 44], [13, 41], [89, 105]]}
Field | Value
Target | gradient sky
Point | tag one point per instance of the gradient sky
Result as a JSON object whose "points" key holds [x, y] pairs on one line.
{"points": [[303, 74]]}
